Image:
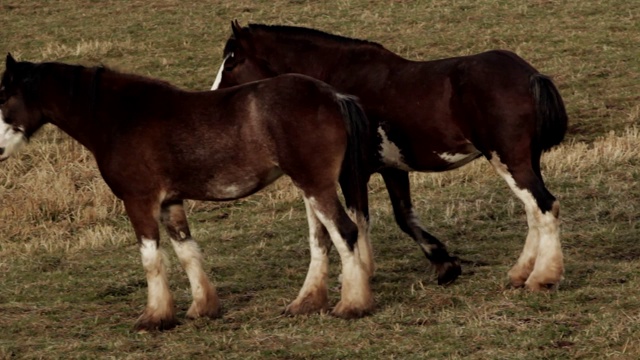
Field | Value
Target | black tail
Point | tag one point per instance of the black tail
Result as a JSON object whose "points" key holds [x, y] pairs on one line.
{"points": [[355, 167], [552, 116]]}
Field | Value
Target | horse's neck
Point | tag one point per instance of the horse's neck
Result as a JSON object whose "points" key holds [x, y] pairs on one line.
{"points": [[340, 64], [72, 108]]}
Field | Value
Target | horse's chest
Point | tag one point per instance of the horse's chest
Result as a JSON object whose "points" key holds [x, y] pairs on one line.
{"points": [[390, 153]]}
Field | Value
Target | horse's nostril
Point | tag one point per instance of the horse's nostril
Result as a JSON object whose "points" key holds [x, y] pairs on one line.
{"points": [[1, 151]]}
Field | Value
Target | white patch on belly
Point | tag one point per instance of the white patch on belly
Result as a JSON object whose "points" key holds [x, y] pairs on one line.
{"points": [[390, 153], [10, 138], [456, 160], [232, 191], [218, 79]]}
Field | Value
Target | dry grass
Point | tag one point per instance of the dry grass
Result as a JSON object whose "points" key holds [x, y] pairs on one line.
{"points": [[71, 283]]}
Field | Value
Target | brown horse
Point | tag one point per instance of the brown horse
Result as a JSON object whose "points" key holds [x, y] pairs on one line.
{"points": [[431, 116], [156, 145]]}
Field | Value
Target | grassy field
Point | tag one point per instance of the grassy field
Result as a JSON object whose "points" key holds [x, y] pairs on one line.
{"points": [[71, 281]]}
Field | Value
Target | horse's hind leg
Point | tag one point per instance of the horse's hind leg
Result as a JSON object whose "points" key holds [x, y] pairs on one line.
{"points": [[313, 296], [205, 298], [159, 313], [356, 296], [397, 183], [540, 264], [357, 203]]}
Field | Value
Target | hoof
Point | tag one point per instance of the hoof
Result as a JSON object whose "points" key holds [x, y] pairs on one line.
{"points": [[213, 311], [448, 271], [516, 281], [547, 285], [351, 312], [308, 305], [518, 275], [149, 323]]}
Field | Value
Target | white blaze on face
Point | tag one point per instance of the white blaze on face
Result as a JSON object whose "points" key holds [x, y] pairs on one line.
{"points": [[10, 139], [216, 82], [390, 153]]}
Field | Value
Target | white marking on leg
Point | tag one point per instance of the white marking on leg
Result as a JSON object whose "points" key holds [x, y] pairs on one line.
{"points": [[549, 267], [205, 299], [11, 138], [313, 294], [413, 221], [541, 257], [364, 241], [159, 301], [216, 82], [390, 153], [356, 295]]}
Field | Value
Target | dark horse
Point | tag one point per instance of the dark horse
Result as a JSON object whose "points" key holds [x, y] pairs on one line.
{"points": [[431, 116], [156, 145]]}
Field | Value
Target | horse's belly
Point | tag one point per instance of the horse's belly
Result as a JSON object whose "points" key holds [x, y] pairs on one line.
{"points": [[235, 186], [453, 160], [425, 155]]}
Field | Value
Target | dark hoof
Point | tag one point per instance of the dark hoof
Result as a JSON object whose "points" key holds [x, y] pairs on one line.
{"points": [[449, 271], [148, 324], [211, 312], [309, 304], [517, 283], [295, 309], [542, 286], [348, 313]]}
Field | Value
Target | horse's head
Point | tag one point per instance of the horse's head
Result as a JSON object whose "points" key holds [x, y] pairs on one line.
{"points": [[19, 119], [241, 62]]}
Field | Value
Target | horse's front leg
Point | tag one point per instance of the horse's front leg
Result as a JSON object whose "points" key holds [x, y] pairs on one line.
{"points": [[205, 298], [397, 183], [159, 313]]}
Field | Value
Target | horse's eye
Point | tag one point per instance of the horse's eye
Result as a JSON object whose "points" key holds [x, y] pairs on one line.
{"points": [[231, 55]]}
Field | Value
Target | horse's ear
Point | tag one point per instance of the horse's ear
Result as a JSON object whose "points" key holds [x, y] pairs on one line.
{"points": [[242, 38], [10, 62], [236, 28]]}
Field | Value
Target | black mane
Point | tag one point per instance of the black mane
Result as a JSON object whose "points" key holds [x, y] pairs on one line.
{"points": [[31, 75], [296, 31]]}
